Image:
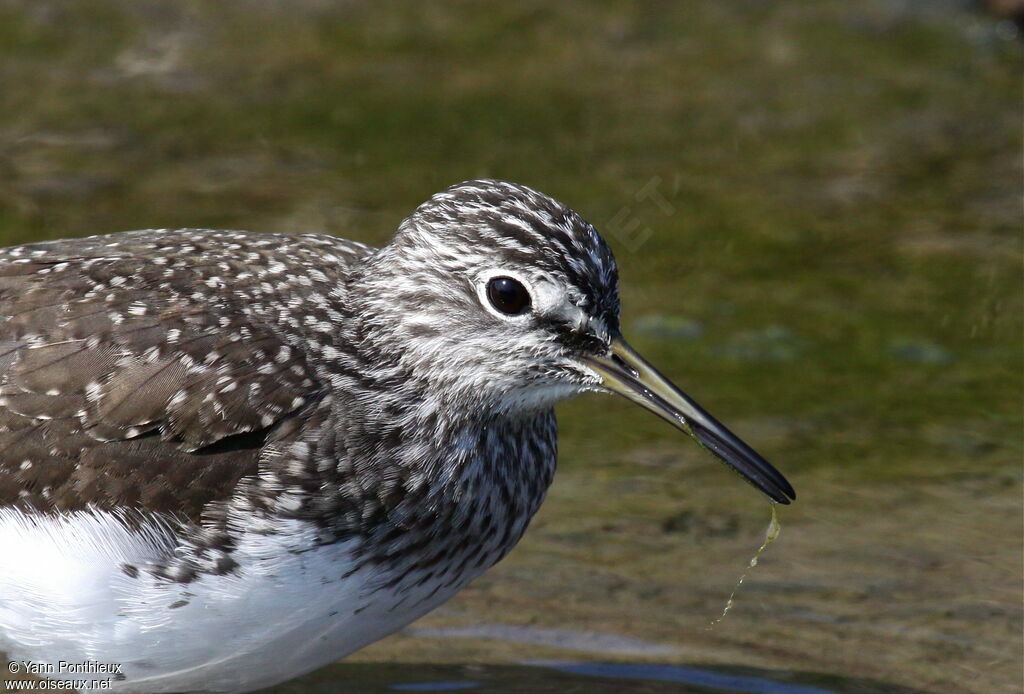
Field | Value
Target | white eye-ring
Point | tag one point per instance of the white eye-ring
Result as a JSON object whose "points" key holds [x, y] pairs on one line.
{"points": [[505, 293]]}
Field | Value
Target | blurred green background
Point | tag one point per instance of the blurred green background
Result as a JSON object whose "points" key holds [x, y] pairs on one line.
{"points": [[817, 212]]}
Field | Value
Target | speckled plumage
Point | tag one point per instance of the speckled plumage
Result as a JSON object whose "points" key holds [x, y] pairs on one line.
{"points": [[229, 458], [220, 400]]}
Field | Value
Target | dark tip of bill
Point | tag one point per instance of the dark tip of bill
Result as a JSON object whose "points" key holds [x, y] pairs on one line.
{"points": [[747, 462]]}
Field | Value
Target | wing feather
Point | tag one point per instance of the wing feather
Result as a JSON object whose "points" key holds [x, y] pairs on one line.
{"points": [[118, 386]]}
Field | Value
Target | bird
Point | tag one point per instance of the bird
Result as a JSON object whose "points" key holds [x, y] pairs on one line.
{"points": [[228, 458]]}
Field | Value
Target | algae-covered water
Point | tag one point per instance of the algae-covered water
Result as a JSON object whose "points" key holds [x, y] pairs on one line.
{"points": [[817, 212]]}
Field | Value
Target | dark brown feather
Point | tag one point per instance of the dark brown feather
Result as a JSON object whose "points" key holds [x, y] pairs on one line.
{"points": [[129, 378]]}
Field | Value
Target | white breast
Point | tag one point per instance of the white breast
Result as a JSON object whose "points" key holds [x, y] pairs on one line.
{"points": [[285, 611]]}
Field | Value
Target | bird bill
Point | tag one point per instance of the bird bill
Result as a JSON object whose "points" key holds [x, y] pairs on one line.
{"points": [[625, 372]]}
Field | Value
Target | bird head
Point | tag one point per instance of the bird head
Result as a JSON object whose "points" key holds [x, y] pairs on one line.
{"points": [[507, 300]]}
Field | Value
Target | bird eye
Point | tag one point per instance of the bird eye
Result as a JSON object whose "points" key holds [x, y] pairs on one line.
{"points": [[508, 295]]}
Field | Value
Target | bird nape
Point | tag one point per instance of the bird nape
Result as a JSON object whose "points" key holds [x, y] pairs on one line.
{"points": [[229, 458]]}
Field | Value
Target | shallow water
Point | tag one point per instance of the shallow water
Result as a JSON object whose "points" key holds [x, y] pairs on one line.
{"points": [[816, 212], [567, 676]]}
